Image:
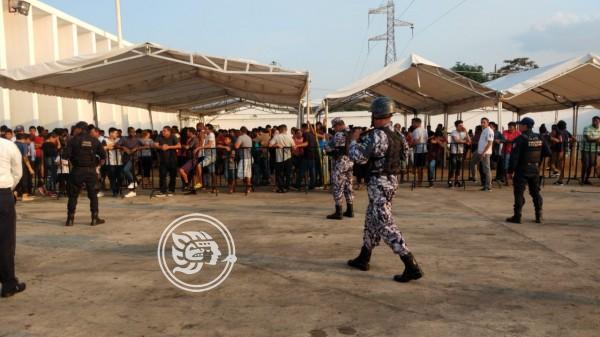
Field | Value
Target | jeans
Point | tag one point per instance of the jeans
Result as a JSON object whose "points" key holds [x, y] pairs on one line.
{"points": [[167, 168], [283, 171], [115, 175], [431, 170], [456, 164], [308, 164], [486, 170], [588, 161], [51, 169], [128, 171]]}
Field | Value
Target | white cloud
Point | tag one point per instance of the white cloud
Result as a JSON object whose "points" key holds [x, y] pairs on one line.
{"points": [[563, 32], [562, 19]]}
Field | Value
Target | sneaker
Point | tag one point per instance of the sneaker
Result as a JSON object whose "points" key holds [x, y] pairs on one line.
{"points": [[198, 186], [485, 189], [170, 194], [131, 186], [450, 184], [559, 183], [130, 194], [42, 190], [100, 194], [160, 195], [27, 198]]}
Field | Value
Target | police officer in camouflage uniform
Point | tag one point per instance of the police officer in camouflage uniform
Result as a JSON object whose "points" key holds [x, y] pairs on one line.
{"points": [[341, 177], [380, 148], [84, 152], [527, 153]]}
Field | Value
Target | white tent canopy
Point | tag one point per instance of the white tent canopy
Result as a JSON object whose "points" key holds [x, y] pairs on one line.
{"points": [[157, 78], [418, 86], [574, 82]]}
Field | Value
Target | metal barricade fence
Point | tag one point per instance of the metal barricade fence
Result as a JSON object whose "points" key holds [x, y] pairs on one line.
{"points": [[261, 164]]}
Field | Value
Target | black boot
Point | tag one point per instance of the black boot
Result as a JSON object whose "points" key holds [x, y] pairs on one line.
{"points": [[70, 219], [514, 219], [337, 215], [17, 288], [362, 261], [539, 217], [349, 213], [96, 220], [412, 271]]}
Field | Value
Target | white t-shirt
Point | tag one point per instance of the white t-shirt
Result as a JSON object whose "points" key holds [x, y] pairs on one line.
{"points": [[456, 148], [209, 152], [420, 136], [487, 135], [285, 153]]}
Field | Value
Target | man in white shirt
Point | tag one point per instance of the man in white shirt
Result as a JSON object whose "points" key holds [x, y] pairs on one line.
{"points": [[283, 144], [243, 146], [484, 153], [11, 170], [459, 138], [419, 137]]}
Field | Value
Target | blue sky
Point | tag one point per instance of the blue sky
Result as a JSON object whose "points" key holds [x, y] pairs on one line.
{"points": [[329, 37]]}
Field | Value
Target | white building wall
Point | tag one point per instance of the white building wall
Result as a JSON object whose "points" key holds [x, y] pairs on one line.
{"points": [[45, 35]]}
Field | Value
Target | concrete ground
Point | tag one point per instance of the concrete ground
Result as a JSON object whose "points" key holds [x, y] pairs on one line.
{"points": [[483, 277]]}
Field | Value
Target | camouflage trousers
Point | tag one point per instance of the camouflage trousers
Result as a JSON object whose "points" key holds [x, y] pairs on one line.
{"points": [[341, 186], [379, 221]]}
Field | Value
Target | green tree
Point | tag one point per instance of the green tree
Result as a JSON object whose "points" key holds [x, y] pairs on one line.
{"points": [[516, 65], [474, 72]]}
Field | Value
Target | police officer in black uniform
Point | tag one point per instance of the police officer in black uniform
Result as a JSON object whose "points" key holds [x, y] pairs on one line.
{"points": [[527, 153], [85, 153]]}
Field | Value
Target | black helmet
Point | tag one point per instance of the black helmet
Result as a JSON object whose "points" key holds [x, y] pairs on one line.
{"points": [[382, 107]]}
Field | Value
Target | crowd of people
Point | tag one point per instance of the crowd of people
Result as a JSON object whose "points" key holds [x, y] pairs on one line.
{"points": [[204, 158]]}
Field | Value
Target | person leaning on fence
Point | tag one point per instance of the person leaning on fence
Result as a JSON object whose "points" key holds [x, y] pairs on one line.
{"points": [[420, 137], [590, 149], [379, 148], [459, 140], [283, 144], [484, 154], [129, 146], [167, 145], [85, 153], [243, 146], [190, 152]]}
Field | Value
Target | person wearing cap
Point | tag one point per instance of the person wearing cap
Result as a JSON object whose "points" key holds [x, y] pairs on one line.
{"points": [[341, 176], [526, 155], [85, 153], [380, 148]]}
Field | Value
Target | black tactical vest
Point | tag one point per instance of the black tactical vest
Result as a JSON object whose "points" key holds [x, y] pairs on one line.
{"points": [[533, 151], [393, 156], [82, 148]]}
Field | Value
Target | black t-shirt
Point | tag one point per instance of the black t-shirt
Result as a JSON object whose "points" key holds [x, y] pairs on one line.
{"points": [[169, 155], [49, 149], [311, 149]]}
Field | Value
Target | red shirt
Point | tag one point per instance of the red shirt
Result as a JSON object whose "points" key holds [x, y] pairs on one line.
{"points": [[38, 140], [509, 137]]}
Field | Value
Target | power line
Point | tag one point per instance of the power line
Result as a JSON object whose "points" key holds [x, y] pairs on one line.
{"points": [[406, 9], [440, 17], [420, 32]]}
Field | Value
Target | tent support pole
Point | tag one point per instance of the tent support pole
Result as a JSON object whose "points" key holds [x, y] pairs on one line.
{"points": [[95, 110], [499, 115], [326, 121], [575, 117], [406, 120], [308, 105], [180, 122], [150, 117]]}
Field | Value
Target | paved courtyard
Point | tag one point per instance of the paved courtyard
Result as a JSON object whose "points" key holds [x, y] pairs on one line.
{"points": [[483, 277]]}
